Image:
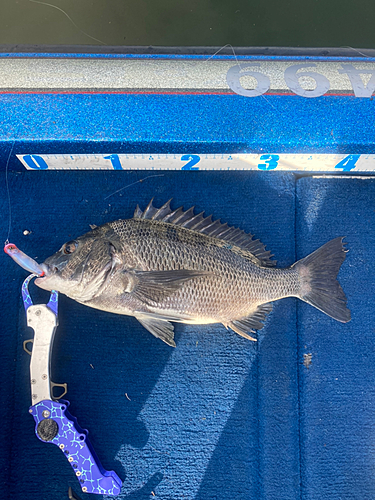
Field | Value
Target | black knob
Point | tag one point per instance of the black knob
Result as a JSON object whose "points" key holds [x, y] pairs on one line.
{"points": [[47, 429]]}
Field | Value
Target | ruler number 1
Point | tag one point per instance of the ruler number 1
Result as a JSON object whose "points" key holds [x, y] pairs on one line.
{"points": [[115, 160]]}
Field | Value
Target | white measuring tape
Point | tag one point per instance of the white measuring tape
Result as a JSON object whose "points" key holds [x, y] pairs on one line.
{"points": [[286, 162]]}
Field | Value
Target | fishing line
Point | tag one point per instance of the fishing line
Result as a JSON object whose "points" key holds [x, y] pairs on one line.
{"points": [[70, 19], [185, 72], [238, 64], [224, 46], [355, 50], [133, 183], [8, 193]]}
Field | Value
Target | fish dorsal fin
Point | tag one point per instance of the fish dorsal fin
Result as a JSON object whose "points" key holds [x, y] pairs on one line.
{"points": [[205, 225]]}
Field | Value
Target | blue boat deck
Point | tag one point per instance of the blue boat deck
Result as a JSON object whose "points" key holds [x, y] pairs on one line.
{"points": [[289, 417], [218, 415]]}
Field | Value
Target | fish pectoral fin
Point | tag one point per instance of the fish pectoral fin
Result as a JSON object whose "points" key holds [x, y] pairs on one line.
{"points": [[154, 286], [251, 323], [160, 328]]}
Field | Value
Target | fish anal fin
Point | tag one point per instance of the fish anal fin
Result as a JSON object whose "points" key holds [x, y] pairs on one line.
{"points": [[159, 328], [154, 286], [206, 225], [239, 330], [252, 322]]}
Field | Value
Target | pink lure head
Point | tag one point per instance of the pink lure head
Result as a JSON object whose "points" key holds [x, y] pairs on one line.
{"points": [[10, 248]]}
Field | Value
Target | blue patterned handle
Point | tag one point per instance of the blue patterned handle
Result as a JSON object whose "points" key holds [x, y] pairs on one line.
{"points": [[55, 425]]}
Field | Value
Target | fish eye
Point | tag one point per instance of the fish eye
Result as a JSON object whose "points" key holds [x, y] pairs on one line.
{"points": [[69, 247]]}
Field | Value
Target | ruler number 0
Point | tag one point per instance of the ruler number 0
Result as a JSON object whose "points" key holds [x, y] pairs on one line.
{"points": [[35, 162]]}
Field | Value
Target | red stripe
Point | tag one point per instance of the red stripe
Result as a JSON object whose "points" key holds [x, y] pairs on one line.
{"points": [[153, 92]]}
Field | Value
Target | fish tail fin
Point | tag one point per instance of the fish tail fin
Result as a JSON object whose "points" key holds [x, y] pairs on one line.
{"points": [[319, 286]]}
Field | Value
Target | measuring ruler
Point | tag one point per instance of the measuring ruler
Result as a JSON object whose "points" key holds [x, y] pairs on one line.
{"points": [[323, 163]]}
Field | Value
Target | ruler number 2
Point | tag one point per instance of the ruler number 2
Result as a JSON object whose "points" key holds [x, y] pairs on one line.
{"points": [[194, 159]]}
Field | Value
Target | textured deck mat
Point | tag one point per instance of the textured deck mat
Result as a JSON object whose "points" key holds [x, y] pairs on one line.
{"points": [[337, 382], [217, 417]]}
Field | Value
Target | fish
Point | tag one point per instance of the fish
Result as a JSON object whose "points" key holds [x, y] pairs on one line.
{"points": [[164, 266]]}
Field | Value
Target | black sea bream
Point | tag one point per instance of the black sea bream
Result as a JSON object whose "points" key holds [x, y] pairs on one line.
{"points": [[166, 266]]}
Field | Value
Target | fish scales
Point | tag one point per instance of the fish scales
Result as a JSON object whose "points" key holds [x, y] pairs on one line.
{"points": [[165, 266], [234, 287]]}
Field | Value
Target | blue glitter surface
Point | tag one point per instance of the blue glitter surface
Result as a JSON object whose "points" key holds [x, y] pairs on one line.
{"points": [[125, 123]]}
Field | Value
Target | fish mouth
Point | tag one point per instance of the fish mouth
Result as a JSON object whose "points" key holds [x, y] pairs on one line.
{"points": [[48, 273], [82, 282], [53, 281]]}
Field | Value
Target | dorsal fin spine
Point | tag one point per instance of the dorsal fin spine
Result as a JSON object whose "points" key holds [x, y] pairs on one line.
{"points": [[137, 212], [207, 226], [161, 212]]}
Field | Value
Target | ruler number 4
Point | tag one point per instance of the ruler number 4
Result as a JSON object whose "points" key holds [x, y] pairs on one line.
{"points": [[348, 163]]}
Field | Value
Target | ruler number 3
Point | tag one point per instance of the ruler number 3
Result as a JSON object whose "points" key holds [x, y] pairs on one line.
{"points": [[271, 162]]}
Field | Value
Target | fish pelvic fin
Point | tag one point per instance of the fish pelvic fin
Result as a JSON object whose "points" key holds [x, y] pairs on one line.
{"points": [[253, 322], [318, 284], [159, 328]]}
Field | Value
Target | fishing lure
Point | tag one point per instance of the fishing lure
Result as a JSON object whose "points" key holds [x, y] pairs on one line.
{"points": [[24, 260]]}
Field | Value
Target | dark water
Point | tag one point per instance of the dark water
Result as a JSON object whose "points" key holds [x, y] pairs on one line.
{"points": [[294, 23]]}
